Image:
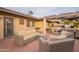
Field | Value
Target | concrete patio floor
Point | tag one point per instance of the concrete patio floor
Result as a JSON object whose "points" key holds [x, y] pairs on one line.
{"points": [[9, 45]]}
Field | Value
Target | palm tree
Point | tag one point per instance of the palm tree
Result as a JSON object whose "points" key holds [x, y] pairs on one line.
{"points": [[30, 12]]}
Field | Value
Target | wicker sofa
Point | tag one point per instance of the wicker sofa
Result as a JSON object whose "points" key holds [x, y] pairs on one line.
{"points": [[66, 46], [24, 37], [58, 43]]}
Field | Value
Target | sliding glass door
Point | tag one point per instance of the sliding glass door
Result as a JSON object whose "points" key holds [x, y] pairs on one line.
{"points": [[8, 26]]}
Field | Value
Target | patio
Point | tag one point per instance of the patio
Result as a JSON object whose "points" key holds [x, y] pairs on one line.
{"points": [[9, 45]]}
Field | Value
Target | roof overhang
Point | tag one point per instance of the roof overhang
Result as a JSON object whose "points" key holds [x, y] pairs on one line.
{"points": [[18, 13]]}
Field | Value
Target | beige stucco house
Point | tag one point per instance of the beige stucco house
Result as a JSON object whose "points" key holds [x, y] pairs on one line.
{"points": [[12, 21]]}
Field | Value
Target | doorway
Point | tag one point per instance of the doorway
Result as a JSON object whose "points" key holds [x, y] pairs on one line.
{"points": [[8, 27]]}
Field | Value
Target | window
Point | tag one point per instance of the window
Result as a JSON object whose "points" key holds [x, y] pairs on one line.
{"points": [[33, 23], [21, 21], [30, 23]]}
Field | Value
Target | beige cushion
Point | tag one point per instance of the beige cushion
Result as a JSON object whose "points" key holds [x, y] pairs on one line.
{"points": [[29, 31], [59, 36], [66, 33], [20, 33], [29, 36], [25, 32]]}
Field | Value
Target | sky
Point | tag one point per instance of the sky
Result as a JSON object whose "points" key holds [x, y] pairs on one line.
{"points": [[44, 11]]}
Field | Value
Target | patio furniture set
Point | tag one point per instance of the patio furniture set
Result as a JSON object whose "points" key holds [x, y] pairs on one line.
{"points": [[57, 42], [60, 41]]}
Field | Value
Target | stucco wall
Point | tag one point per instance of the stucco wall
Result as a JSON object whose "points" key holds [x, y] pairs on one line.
{"points": [[39, 24], [1, 27], [18, 26], [21, 27]]}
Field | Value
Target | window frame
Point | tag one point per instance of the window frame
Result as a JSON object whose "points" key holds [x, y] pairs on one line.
{"points": [[21, 21], [30, 23]]}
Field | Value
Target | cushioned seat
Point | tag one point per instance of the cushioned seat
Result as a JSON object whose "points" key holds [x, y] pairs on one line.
{"points": [[24, 37], [59, 37], [29, 36], [65, 33]]}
